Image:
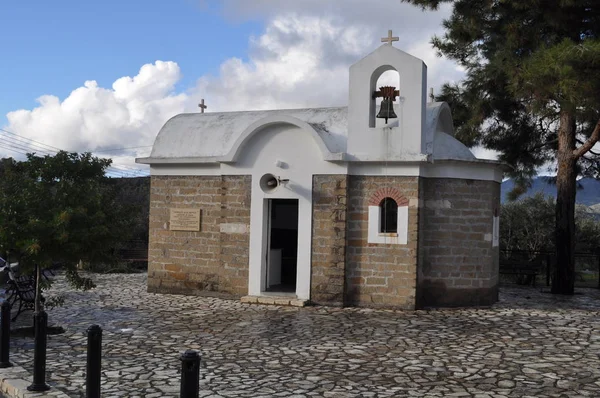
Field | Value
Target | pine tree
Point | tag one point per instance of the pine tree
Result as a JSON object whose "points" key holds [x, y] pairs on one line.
{"points": [[531, 92]]}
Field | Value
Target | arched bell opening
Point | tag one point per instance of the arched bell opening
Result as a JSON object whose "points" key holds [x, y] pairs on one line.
{"points": [[385, 84]]}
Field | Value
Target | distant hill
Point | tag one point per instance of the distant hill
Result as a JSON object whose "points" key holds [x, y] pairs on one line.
{"points": [[588, 192]]}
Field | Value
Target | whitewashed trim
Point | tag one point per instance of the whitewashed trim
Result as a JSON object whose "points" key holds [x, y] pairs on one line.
{"points": [[374, 236], [496, 232], [462, 170], [454, 170]]}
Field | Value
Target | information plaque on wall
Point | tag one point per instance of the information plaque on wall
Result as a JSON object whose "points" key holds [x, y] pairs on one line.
{"points": [[184, 220]]}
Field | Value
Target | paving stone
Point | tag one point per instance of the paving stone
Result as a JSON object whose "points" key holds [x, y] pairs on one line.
{"points": [[529, 344]]}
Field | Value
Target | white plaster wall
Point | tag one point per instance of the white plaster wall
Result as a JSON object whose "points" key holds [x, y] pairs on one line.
{"points": [[463, 170], [439, 169], [496, 232], [399, 238], [383, 169], [300, 159], [403, 135]]}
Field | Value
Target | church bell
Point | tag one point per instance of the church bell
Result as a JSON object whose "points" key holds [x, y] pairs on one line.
{"points": [[389, 94], [387, 110]]}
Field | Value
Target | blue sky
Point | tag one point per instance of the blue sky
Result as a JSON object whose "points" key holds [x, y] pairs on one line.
{"points": [[52, 47], [92, 76]]}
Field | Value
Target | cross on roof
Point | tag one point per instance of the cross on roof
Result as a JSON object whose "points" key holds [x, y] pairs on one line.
{"points": [[202, 106], [390, 38]]}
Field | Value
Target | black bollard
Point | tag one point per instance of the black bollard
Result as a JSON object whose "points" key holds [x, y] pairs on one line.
{"points": [[94, 362], [39, 353], [5, 335], [190, 374]]}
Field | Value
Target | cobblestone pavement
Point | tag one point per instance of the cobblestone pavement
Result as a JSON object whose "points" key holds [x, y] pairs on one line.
{"points": [[529, 344]]}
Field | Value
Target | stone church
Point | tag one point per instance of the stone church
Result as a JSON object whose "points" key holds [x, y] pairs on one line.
{"points": [[331, 206]]}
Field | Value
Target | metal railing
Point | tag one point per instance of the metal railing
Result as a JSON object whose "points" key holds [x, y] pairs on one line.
{"points": [[587, 265]]}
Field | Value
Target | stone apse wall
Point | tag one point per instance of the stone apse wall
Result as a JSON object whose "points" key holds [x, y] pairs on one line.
{"points": [[458, 264], [448, 260], [380, 275], [213, 261]]}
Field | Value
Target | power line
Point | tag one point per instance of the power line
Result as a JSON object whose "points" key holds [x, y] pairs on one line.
{"points": [[13, 150], [116, 173], [17, 145], [129, 168], [109, 171], [31, 147], [23, 145], [124, 171], [33, 144], [37, 142], [122, 149]]}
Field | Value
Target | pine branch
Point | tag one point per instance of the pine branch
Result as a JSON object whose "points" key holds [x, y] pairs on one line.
{"points": [[544, 144], [589, 144], [590, 151]]}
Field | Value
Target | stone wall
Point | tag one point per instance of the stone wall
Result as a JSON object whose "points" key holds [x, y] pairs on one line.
{"points": [[459, 266], [213, 261], [380, 275], [329, 239]]}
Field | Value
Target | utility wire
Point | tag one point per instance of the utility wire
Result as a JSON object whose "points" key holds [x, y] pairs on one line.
{"points": [[29, 139], [19, 147], [13, 150], [30, 146], [122, 149], [17, 143], [110, 171], [35, 144], [21, 142]]}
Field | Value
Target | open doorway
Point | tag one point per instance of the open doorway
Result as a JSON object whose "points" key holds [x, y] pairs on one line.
{"points": [[282, 245]]}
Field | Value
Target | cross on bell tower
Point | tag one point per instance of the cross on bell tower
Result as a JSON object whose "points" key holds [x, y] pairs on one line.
{"points": [[390, 39], [202, 106]]}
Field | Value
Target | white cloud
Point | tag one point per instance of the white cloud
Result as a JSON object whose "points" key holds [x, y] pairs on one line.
{"points": [[300, 60], [303, 61], [483, 153], [297, 62], [95, 118]]}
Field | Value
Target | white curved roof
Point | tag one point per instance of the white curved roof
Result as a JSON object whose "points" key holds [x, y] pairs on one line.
{"points": [[197, 135], [212, 137], [446, 147], [438, 117]]}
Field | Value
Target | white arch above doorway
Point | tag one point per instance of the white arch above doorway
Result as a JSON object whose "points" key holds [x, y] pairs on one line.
{"points": [[270, 121]]}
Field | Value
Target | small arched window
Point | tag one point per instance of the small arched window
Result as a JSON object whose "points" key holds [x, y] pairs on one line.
{"points": [[389, 216]]}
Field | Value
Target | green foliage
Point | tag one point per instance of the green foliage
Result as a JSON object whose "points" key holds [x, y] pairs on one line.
{"points": [[54, 302], [528, 225], [59, 209], [78, 281], [530, 93], [560, 75], [587, 234], [525, 61], [134, 195]]}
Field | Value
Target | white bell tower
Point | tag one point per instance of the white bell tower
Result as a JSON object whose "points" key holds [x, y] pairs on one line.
{"points": [[402, 138]]}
